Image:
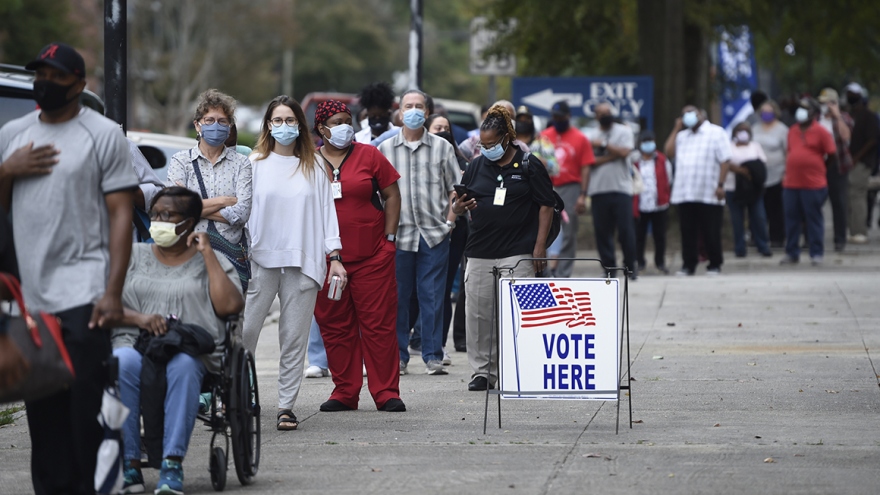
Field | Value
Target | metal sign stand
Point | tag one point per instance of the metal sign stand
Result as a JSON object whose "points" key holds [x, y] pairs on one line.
{"points": [[624, 334]]}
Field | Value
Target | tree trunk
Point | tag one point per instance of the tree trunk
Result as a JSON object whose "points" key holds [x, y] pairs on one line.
{"points": [[662, 56]]}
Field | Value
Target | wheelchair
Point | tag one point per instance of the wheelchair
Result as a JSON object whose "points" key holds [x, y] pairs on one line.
{"points": [[234, 412]]}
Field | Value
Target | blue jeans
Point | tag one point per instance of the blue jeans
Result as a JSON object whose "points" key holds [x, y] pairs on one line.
{"points": [[804, 206], [757, 224], [426, 270], [317, 354], [184, 374]]}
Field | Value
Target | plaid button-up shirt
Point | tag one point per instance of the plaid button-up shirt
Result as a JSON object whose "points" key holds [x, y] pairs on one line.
{"points": [[698, 159], [428, 170]]}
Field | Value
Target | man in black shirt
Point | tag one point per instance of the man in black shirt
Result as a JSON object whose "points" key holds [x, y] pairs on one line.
{"points": [[510, 203], [863, 148]]}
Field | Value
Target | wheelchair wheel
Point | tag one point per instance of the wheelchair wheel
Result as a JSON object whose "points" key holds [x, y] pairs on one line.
{"points": [[245, 417], [218, 469]]}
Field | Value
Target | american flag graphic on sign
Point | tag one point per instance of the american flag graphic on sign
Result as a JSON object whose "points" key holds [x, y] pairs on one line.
{"points": [[548, 304]]}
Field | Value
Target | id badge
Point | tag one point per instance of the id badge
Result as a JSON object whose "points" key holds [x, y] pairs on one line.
{"points": [[500, 194], [337, 189]]}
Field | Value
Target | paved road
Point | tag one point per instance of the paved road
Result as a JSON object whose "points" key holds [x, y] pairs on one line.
{"points": [[762, 380]]}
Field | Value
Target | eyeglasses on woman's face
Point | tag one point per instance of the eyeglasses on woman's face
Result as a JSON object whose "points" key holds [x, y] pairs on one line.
{"points": [[277, 121], [212, 120]]}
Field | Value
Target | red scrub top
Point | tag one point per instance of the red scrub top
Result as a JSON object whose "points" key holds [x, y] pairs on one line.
{"points": [[363, 173]]}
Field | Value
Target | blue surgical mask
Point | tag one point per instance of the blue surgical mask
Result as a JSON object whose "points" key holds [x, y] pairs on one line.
{"points": [[285, 134], [215, 134], [648, 147], [690, 119], [414, 118], [494, 153]]}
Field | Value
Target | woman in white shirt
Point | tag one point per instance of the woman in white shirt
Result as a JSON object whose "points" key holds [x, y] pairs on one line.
{"points": [[293, 228], [742, 151]]}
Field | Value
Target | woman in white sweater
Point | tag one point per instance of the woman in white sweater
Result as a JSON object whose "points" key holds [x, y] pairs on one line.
{"points": [[293, 228]]}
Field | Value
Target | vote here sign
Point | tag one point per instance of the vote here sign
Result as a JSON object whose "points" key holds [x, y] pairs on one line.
{"points": [[559, 338]]}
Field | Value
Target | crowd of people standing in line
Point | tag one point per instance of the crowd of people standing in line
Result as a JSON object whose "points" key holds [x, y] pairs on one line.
{"points": [[362, 236]]}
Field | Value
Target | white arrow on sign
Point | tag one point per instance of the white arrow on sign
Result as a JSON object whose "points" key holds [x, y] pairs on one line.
{"points": [[545, 99]]}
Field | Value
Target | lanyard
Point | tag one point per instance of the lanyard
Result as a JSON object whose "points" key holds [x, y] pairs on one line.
{"points": [[337, 169]]}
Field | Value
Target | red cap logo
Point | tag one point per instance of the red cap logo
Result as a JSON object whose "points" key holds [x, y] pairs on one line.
{"points": [[50, 52]]}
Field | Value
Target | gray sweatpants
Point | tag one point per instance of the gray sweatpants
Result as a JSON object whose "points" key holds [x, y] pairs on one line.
{"points": [[569, 194], [480, 313], [297, 294], [858, 199]]}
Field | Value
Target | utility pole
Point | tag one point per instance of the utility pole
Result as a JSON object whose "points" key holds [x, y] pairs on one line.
{"points": [[116, 61], [415, 44]]}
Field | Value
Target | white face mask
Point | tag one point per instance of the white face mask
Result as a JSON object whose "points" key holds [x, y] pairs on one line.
{"points": [[743, 136], [802, 115], [341, 136], [165, 234]]}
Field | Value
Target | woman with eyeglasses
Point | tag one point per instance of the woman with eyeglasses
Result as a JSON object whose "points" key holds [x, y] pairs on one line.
{"points": [[361, 327], [293, 229], [221, 176]]}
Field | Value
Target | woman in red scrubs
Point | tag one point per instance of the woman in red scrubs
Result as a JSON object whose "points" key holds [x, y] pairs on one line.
{"points": [[361, 326]]}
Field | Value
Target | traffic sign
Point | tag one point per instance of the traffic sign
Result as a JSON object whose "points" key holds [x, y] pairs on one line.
{"points": [[631, 97], [482, 39]]}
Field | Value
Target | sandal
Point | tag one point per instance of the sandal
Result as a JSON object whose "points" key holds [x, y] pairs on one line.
{"points": [[287, 420]]}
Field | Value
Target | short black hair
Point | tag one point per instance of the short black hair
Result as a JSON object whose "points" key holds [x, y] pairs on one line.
{"points": [[379, 94], [646, 135], [189, 202], [758, 98]]}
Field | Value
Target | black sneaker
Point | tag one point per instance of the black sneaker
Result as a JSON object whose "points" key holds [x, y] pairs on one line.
{"points": [[393, 405], [479, 383]]}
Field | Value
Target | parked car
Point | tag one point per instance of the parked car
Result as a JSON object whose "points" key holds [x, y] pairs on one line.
{"points": [[159, 148], [462, 113]]}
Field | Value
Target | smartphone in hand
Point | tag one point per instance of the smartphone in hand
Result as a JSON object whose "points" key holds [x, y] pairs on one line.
{"points": [[461, 190]]}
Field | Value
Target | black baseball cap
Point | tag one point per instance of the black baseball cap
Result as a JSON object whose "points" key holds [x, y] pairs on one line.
{"points": [[61, 56], [560, 108]]}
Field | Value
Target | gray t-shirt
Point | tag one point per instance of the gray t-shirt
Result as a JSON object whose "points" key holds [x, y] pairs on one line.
{"points": [[152, 287], [60, 220], [614, 176], [774, 141]]}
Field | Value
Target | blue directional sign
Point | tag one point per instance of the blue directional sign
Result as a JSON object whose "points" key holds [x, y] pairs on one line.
{"points": [[630, 97]]}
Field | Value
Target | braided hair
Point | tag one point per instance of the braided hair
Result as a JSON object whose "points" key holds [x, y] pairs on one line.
{"points": [[498, 119]]}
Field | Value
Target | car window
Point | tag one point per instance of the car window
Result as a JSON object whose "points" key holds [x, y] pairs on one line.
{"points": [[12, 108], [462, 119]]}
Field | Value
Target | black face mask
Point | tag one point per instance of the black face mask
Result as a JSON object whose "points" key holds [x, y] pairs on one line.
{"points": [[525, 128], [379, 124], [853, 99], [561, 125], [447, 136], [605, 121], [52, 96]]}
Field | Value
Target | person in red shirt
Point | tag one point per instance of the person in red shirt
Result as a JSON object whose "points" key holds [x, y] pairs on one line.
{"points": [[361, 327], [805, 185], [575, 155]]}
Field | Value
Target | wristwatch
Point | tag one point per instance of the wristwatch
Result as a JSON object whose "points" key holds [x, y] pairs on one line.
{"points": [[450, 224], [336, 257], [391, 237]]}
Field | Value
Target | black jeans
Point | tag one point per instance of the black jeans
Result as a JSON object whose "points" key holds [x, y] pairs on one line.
{"points": [[775, 214], [614, 211], [64, 430], [459, 332], [700, 219], [457, 241], [658, 221], [838, 192]]}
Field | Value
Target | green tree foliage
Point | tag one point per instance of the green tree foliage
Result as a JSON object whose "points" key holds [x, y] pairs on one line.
{"points": [[28, 25]]}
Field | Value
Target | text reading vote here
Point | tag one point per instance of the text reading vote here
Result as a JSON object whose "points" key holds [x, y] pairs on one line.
{"points": [[569, 376]]}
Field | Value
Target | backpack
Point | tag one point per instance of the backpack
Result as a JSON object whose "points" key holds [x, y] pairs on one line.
{"points": [[556, 222]]}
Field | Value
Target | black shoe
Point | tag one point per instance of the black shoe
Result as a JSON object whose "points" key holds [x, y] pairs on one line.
{"points": [[479, 383], [393, 405], [767, 254], [460, 348], [334, 405]]}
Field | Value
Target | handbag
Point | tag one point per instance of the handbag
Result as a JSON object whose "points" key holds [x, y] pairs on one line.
{"points": [[638, 183], [40, 341], [235, 252]]}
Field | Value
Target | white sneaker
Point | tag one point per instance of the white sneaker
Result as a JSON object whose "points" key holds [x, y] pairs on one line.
{"points": [[446, 359], [435, 367], [316, 372], [859, 239], [403, 370]]}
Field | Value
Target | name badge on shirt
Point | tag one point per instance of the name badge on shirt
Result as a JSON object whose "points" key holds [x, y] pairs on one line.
{"points": [[337, 189], [500, 195]]}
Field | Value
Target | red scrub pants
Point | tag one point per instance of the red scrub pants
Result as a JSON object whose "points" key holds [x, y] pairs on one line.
{"points": [[362, 328]]}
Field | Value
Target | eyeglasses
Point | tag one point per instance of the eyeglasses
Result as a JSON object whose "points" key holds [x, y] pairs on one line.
{"points": [[489, 146], [164, 216], [212, 120], [277, 121]]}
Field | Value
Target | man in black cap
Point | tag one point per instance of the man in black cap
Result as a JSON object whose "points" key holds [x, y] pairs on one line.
{"points": [[66, 171], [575, 156]]}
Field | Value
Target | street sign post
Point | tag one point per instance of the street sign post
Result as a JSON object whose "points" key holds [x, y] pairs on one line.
{"points": [[481, 39], [631, 97]]}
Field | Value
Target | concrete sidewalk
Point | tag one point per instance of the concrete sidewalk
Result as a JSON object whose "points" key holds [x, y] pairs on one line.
{"points": [[761, 380]]}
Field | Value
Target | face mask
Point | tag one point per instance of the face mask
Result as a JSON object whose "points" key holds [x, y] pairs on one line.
{"points": [[494, 153], [768, 117], [525, 128], [215, 134], [379, 124], [743, 136], [689, 119], [802, 115], [165, 234], [648, 147], [561, 125], [52, 96], [852, 99], [285, 134], [447, 136], [605, 121], [414, 118], [341, 136]]}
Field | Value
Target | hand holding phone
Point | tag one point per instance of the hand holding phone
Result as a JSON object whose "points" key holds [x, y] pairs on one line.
{"points": [[461, 190]]}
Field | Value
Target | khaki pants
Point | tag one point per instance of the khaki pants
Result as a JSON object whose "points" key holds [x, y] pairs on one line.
{"points": [[480, 313], [858, 199]]}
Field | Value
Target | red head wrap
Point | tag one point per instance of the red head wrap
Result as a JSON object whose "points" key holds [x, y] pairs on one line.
{"points": [[327, 109]]}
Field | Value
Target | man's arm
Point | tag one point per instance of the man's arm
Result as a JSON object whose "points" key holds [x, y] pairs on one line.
{"points": [[108, 309]]}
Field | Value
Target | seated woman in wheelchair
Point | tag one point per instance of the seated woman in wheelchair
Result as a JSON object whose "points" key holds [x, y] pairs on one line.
{"points": [[178, 275]]}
